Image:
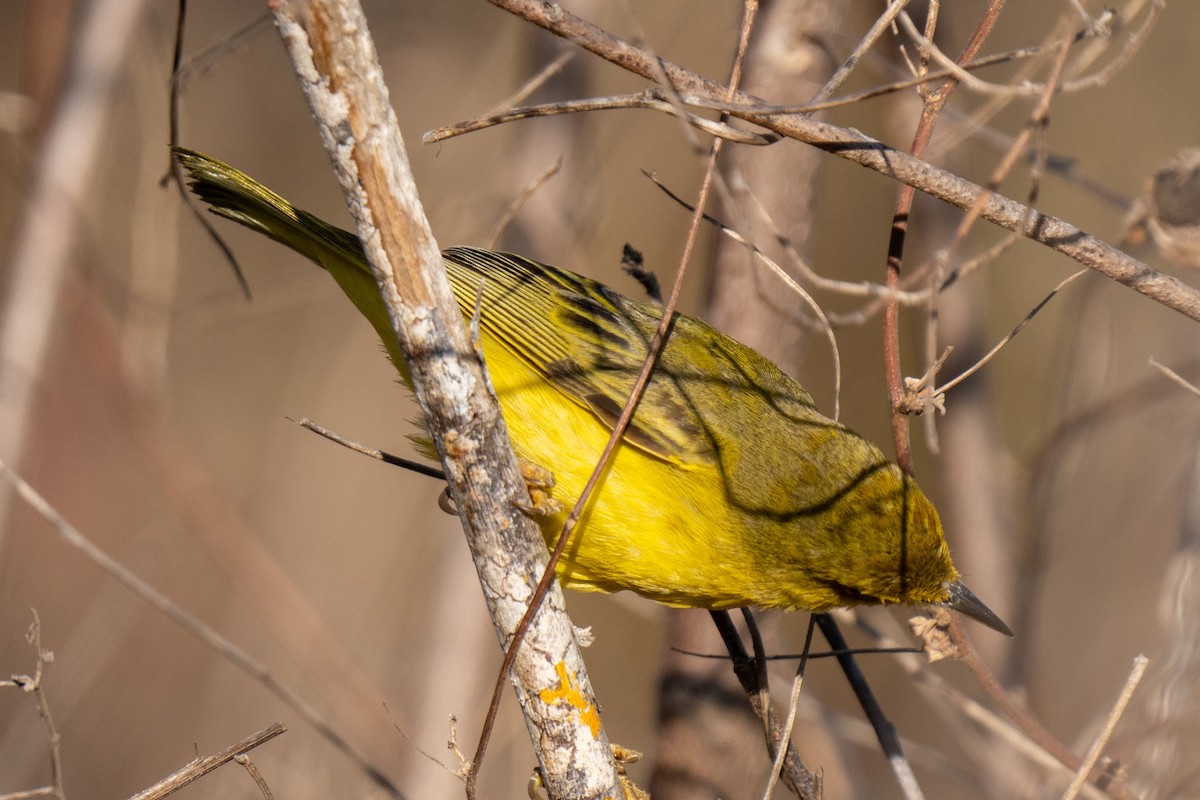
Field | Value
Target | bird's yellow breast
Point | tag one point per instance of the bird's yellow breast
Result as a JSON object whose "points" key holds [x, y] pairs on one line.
{"points": [[651, 525]]}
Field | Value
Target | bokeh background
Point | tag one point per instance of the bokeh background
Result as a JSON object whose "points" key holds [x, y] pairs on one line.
{"points": [[156, 416]]}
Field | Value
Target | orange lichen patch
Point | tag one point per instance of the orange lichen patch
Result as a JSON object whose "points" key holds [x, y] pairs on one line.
{"points": [[568, 691]]}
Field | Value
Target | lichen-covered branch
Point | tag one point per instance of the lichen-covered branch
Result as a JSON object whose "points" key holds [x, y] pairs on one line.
{"points": [[336, 62]]}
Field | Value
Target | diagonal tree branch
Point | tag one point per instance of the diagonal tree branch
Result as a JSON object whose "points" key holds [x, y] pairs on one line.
{"points": [[1055, 233]]}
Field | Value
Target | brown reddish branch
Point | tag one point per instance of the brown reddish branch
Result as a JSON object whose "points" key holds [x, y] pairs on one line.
{"points": [[931, 111]]}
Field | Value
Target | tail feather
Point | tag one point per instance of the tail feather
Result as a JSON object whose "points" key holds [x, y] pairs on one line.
{"points": [[236, 196], [231, 193]]}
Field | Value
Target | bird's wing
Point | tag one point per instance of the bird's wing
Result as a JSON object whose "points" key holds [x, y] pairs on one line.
{"points": [[584, 339]]}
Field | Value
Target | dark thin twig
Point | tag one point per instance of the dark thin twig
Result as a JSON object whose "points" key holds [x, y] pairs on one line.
{"points": [[885, 731], [762, 678], [200, 61], [1033, 312], [805, 783], [419, 467], [854, 651], [174, 172], [173, 104]]}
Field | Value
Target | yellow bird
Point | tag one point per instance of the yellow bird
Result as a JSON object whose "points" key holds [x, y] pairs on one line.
{"points": [[730, 489]]}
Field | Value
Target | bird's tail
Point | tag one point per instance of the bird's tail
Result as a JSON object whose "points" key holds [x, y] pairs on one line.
{"points": [[233, 194]]}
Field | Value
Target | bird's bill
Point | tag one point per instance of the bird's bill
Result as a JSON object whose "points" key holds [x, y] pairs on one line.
{"points": [[964, 601]]}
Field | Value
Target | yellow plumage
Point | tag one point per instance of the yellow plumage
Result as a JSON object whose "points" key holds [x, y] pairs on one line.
{"points": [[730, 488]]}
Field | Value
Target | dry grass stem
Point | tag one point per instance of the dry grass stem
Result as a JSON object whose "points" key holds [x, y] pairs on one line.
{"points": [[950, 384], [519, 202], [536, 82], [1110, 723], [1174, 376]]}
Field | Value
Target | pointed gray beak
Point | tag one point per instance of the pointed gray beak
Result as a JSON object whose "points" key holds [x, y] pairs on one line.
{"points": [[964, 601]]}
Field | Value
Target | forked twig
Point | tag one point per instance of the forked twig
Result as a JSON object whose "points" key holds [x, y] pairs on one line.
{"points": [[1053, 232], [32, 684], [202, 766]]}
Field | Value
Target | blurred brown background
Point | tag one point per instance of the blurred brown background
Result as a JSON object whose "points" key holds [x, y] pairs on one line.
{"points": [[158, 417]]}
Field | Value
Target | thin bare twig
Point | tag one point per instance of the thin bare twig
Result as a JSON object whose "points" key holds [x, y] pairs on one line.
{"points": [[793, 707], [1053, 232], [31, 794], [916, 397], [519, 201], [255, 775], [231, 652], [653, 99], [1174, 376], [203, 60], [32, 684], [1110, 723], [202, 766], [419, 467], [534, 83], [173, 172]]}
